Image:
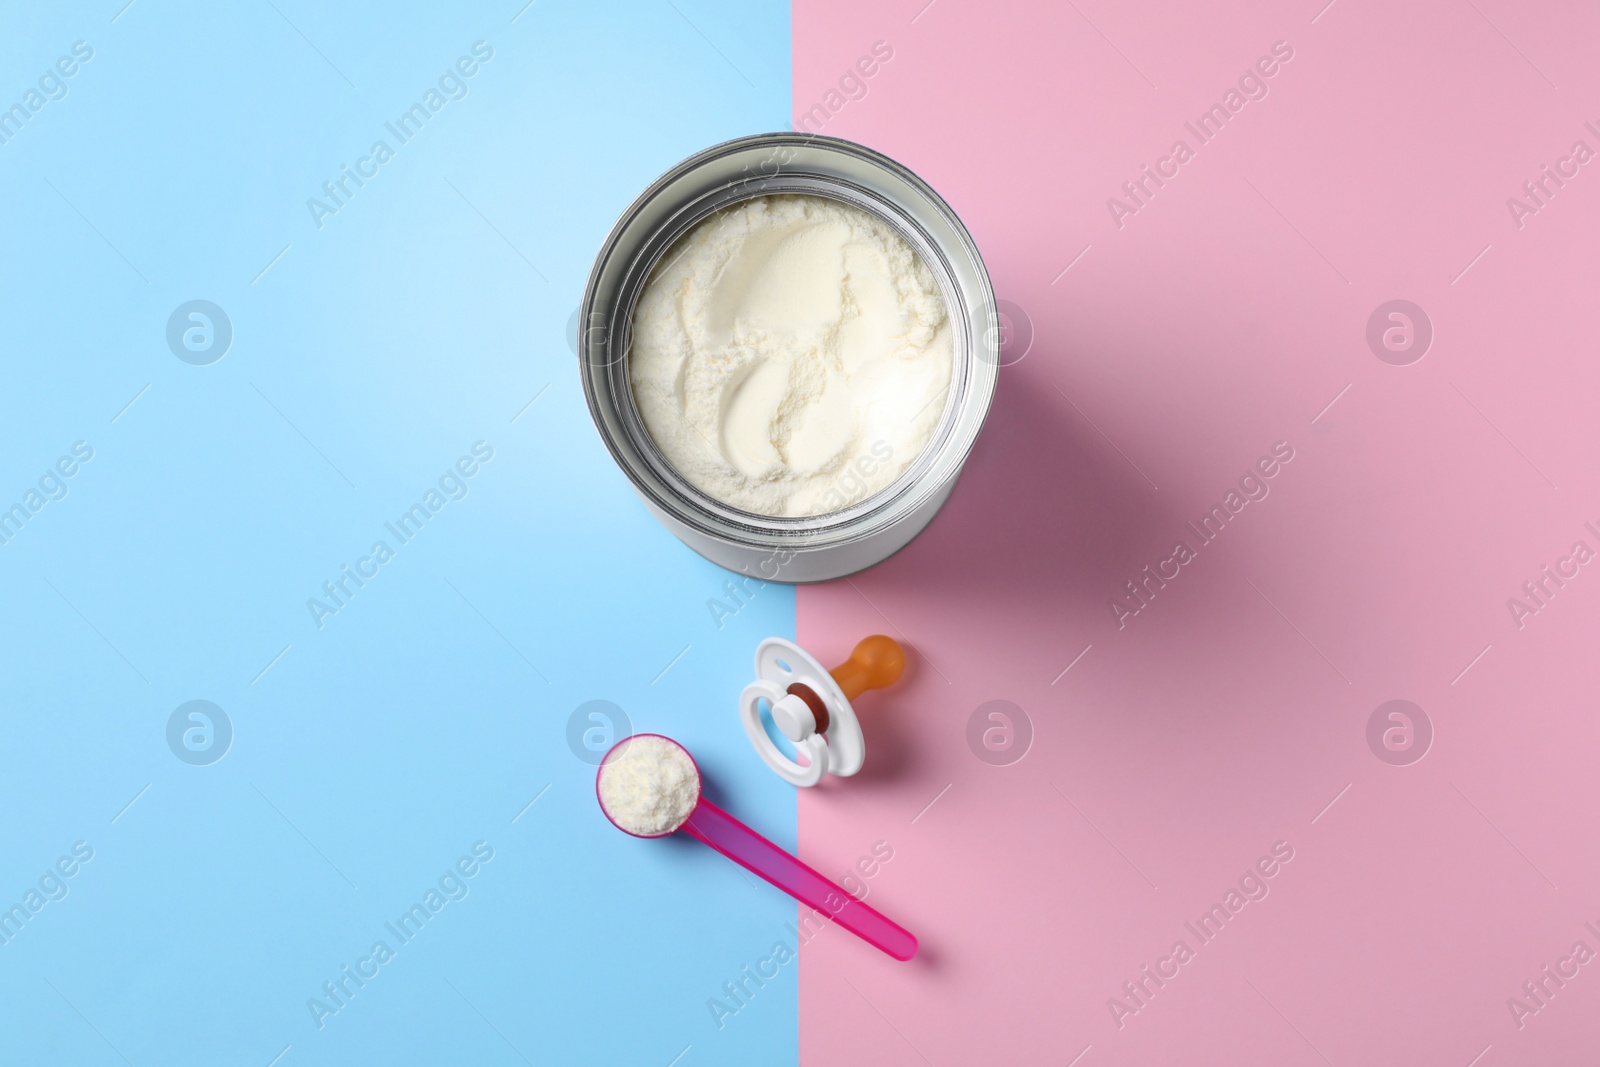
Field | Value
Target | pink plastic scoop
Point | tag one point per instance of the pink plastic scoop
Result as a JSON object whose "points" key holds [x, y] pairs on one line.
{"points": [[761, 857]]}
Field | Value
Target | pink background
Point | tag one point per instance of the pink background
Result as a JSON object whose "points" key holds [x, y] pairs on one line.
{"points": [[1220, 319]]}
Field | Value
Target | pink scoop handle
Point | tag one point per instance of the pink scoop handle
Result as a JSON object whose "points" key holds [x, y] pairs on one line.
{"points": [[759, 856]]}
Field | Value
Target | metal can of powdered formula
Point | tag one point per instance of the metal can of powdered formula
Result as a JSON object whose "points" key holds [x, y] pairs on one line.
{"points": [[808, 548]]}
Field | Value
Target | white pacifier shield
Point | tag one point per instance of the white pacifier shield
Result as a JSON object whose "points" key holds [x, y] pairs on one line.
{"points": [[815, 748], [780, 664]]}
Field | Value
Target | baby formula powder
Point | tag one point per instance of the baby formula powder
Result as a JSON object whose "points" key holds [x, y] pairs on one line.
{"points": [[791, 355], [648, 785]]}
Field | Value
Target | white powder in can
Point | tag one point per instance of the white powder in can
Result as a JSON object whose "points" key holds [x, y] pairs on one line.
{"points": [[791, 355], [648, 785]]}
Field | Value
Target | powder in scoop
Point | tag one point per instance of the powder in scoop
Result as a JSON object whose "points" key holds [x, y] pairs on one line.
{"points": [[648, 785], [791, 355]]}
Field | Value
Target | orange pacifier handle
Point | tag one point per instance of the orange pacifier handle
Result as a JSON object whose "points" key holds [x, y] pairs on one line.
{"points": [[874, 663]]}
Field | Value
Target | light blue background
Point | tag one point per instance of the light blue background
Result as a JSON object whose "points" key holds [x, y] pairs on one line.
{"points": [[364, 362]]}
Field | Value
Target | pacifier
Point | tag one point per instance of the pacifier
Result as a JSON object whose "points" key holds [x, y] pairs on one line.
{"points": [[811, 705]]}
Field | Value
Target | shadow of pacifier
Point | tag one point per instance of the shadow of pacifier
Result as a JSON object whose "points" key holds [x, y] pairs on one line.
{"points": [[811, 705]]}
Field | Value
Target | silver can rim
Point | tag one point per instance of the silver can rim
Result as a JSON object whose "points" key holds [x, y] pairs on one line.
{"points": [[766, 164]]}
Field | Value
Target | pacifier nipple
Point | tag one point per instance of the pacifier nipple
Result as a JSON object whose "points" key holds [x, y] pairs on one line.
{"points": [[875, 663]]}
